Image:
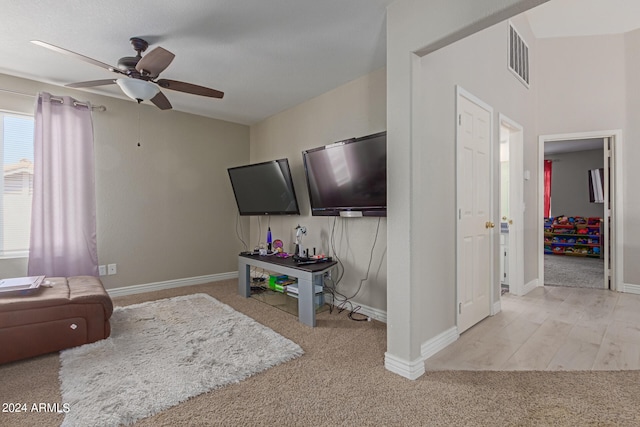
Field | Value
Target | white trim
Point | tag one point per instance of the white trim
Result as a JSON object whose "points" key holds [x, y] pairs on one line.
{"points": [[408, 369], [630, 288], [516, 275], [497, 307], [531, 286], [439, 342], [169, 284], [617, 155]]}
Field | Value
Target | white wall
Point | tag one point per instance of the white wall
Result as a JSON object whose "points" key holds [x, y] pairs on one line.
{"points": [[581, 84], [415, 27], [590, 84], [631, 159], [478, 64], [165, 210], [355, 109]]}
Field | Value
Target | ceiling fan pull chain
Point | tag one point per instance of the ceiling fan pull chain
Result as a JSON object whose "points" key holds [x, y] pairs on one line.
{"points": [[139, 123]]}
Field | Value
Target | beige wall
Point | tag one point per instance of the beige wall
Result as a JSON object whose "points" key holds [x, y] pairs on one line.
{"points": [[570, 184], [631, 174], [355, 109], [165, 210]]}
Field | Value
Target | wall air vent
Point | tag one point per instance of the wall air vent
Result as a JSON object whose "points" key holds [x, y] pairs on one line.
{"points": [[518, 56]]}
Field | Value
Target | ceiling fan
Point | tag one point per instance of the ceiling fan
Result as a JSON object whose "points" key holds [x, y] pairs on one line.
{"points": [[139, 75]]}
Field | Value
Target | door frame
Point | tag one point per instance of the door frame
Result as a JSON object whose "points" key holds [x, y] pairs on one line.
{"points": [[615, 206], [493, 291], [516, 264]]}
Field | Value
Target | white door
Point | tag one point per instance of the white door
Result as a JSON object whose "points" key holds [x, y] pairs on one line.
{"points": [[512, 215], [475, 222]]}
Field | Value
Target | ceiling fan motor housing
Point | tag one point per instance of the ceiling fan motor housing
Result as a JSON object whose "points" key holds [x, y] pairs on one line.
{"points": [[128, 63]]}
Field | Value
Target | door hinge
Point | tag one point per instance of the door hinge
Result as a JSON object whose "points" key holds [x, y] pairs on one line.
{"points": [[459, 119], [459, 308]]}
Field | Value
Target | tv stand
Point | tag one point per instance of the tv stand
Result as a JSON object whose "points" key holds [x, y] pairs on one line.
{"points": [[308, 276]]}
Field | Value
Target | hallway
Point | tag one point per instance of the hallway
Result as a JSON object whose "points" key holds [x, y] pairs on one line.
{"points": [[552, 328]]}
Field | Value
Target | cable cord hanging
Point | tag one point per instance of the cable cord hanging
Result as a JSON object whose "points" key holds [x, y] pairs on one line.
{"points": [[241, 234], [337, 296]]}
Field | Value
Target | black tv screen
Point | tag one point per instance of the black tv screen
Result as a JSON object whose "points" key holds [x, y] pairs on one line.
{"points": [[264, 188], [348, 178]]}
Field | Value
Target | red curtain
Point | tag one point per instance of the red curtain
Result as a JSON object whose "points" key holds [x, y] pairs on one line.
{"points": [[547, 188]]}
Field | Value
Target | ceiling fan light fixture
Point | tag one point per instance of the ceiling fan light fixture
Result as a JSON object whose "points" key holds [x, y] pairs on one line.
{"points": [[138, 89]]}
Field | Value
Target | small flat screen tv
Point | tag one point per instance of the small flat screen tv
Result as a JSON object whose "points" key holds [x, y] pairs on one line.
{"points": [[348, 178], [264, 188]]}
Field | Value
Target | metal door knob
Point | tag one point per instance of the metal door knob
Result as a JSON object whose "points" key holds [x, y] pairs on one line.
{"points": [[489, 224]]}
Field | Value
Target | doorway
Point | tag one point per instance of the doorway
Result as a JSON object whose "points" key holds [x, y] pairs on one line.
{"points": [[591, 227], [511, 207]]}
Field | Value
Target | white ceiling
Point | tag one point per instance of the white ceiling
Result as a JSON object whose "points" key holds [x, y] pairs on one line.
{"points": [[266, 55], [571, 145]]}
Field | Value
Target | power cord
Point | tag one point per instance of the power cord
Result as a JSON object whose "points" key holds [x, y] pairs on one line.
{"points": [[241, 232], [341, 298]]}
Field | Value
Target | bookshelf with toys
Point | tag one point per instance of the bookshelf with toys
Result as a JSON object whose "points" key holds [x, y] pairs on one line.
{"points": [[575, 236]]}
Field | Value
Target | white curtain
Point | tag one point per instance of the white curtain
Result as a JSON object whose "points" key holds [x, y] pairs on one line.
{"points": [[63, 217]]}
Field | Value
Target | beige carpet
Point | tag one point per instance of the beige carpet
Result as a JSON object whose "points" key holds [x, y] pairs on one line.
{"points": [[341, 380], [574, 271]]}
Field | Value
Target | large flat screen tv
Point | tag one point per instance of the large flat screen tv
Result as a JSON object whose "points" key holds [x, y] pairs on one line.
{"points": [[348, 178], [264, 188]]}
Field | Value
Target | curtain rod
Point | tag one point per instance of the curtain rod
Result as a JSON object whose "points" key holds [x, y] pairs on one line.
{"points": [[53, 98]]}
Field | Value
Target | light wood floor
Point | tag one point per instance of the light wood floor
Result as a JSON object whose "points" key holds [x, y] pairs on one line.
{"points": [[551, 328]]}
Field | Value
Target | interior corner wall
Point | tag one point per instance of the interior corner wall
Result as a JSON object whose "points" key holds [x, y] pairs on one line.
{"points": [[588, 84], [629, 162], [477, 64], [355, 109], [165, 209], [415, 27]]}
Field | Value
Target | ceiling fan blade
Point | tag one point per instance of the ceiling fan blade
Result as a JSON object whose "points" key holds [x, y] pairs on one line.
{"points": [[189, 88], [77, 56], [161, 101], [155, 61], [92, 83]]}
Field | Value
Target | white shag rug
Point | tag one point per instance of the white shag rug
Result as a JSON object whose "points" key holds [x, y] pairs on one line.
{"points": [[161, 353]]}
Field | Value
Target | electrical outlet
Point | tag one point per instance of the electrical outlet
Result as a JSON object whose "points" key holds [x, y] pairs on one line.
{"points": [[102, 270], [111, 269]]}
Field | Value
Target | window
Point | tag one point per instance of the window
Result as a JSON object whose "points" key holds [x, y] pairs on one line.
{"points": [[16, 186]]}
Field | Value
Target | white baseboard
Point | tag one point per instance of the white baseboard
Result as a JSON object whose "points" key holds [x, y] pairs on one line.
{"points": [[169, 284], [408, 369], [530, 286], [374, 313], [496, 308], [631, 289], [439, 342]]}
